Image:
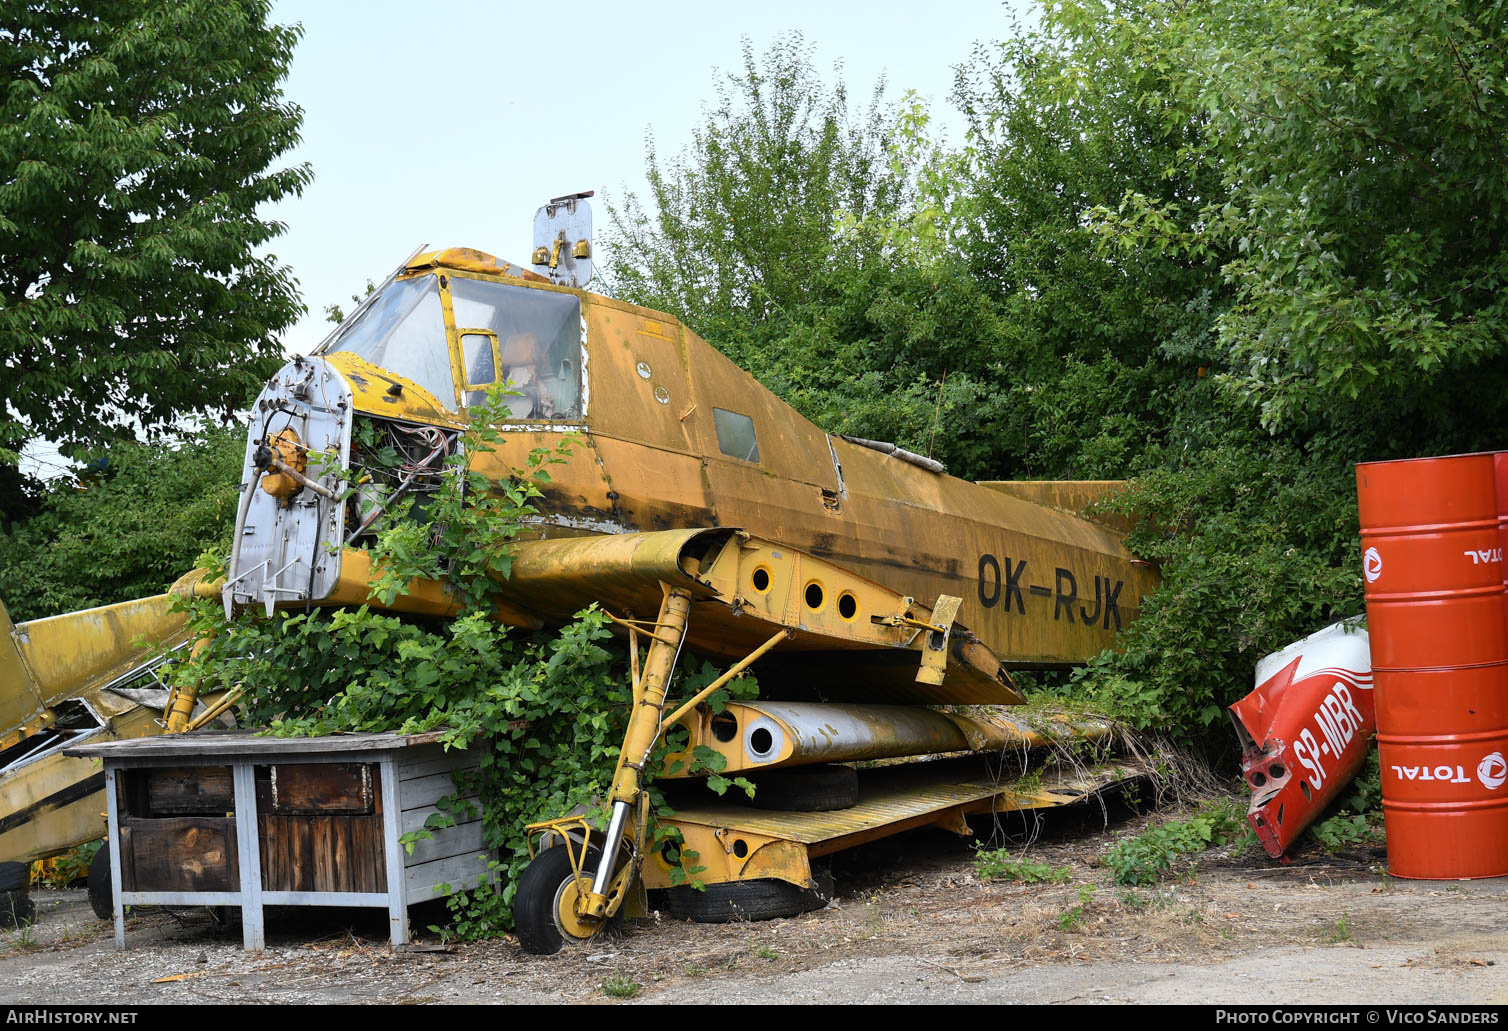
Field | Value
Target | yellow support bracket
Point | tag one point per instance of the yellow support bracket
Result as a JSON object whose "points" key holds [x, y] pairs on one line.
{"points": [[934, 665]]}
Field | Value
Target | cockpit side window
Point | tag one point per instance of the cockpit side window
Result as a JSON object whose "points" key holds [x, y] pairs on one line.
{"points": [[537, 339], [478, 363], [735, 435], [404, 332]]}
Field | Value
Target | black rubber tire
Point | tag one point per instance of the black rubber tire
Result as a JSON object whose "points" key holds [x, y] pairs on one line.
{"points": [[534, 906], [810, 789], [101, 899], [14, 876], [15, 908], [748, 900]]}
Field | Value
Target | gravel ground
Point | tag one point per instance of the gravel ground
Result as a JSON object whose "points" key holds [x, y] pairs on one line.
{"points": [[912, 923]]}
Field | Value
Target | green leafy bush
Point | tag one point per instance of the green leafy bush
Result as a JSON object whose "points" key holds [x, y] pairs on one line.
{"points": [[1358, 822], [621, 986], [997, 865], [1147, 857], [1075, 915]]}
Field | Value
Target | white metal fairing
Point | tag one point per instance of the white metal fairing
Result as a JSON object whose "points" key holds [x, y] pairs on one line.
{"points": [[292, 552]]}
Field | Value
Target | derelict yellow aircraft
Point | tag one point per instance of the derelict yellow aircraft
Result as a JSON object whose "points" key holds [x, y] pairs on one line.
{"points": [[701, 511]]}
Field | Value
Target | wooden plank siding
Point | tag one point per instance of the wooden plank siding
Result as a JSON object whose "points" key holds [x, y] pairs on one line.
{"points": [[321, 853], [452, 855], [426, 880], [183, 853], [327, 814]]}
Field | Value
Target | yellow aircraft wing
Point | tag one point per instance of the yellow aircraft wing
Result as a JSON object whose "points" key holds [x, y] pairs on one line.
{"points": [[847, 638]]}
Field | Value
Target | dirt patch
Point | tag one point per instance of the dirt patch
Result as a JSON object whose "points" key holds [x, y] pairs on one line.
{"points": [[912, 923]]}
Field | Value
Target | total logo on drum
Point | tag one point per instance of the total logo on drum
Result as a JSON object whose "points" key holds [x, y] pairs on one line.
{"points": [[1372, 564], [1492, 771]]}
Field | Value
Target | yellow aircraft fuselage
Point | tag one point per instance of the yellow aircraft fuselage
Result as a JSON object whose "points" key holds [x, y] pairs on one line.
{"points": [[672, 434]]}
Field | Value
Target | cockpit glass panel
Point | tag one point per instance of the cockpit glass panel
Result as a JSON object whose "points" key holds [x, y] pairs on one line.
{"points": [[404, 332], [477, 360], [539, 343], [735, 435]]}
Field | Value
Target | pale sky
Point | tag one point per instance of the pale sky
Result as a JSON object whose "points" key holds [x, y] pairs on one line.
{"points": [[450, 124]]}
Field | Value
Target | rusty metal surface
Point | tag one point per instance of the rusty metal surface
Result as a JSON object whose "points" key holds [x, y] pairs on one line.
{"points": [[892, 800], [771, 734], [371, 386], [469, 260], [1039, 586], [66, 653], [893, 794], [1071, 496], [57, 802], [20, 697]]}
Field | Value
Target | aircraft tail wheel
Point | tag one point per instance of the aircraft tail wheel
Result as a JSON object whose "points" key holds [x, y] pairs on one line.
{"points": [[748, 900], [545, 908]]}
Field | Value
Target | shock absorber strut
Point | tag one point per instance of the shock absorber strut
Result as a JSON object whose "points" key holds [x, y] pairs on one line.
{"points": [[643, 731]]}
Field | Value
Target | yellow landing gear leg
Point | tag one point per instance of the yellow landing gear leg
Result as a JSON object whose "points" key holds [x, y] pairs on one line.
{"points": [[568, 894]]}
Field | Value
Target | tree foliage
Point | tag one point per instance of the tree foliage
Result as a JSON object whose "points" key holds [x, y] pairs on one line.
{"points": [[1359, 148], [137, 141], [135, 520], [741, 227], [1228, 251]]}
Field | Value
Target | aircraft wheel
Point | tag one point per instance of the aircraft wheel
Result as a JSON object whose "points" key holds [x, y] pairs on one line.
{"points": [[812, 789], [14, 876], [100, 897], [15, 905], [748, 900], [544, 910]]}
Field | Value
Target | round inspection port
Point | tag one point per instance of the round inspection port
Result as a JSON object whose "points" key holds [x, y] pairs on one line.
{"points": [[740, 848], [760, 579], [814, 596], [761, 741], [724, 727], [1276, 771], [1257, 779], [671, 853], [848, 605]]}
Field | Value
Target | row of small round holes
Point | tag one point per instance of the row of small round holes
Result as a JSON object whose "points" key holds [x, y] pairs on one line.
{"points": [[815, 597]]}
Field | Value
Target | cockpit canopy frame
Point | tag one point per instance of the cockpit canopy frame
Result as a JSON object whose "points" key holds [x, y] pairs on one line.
{"points": [[454, 334]]}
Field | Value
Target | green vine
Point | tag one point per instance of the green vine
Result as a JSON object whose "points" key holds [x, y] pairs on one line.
{"points": [[544, 712]]}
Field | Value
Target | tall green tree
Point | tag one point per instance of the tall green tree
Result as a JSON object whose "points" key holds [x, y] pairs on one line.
{"points": [[1351, 221], [137, 141], [1103, 347], [809, 242], [1360, 148], [741, 229]]}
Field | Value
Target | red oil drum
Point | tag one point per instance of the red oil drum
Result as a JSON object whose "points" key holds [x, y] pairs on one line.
{"points": [[1500, 461], [1437, 613]]}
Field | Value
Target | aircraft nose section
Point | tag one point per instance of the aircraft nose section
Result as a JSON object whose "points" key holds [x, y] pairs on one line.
{"points": [[290, 520]]}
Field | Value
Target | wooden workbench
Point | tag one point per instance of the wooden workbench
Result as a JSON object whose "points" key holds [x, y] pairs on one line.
{"points": [[325, 816]]}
